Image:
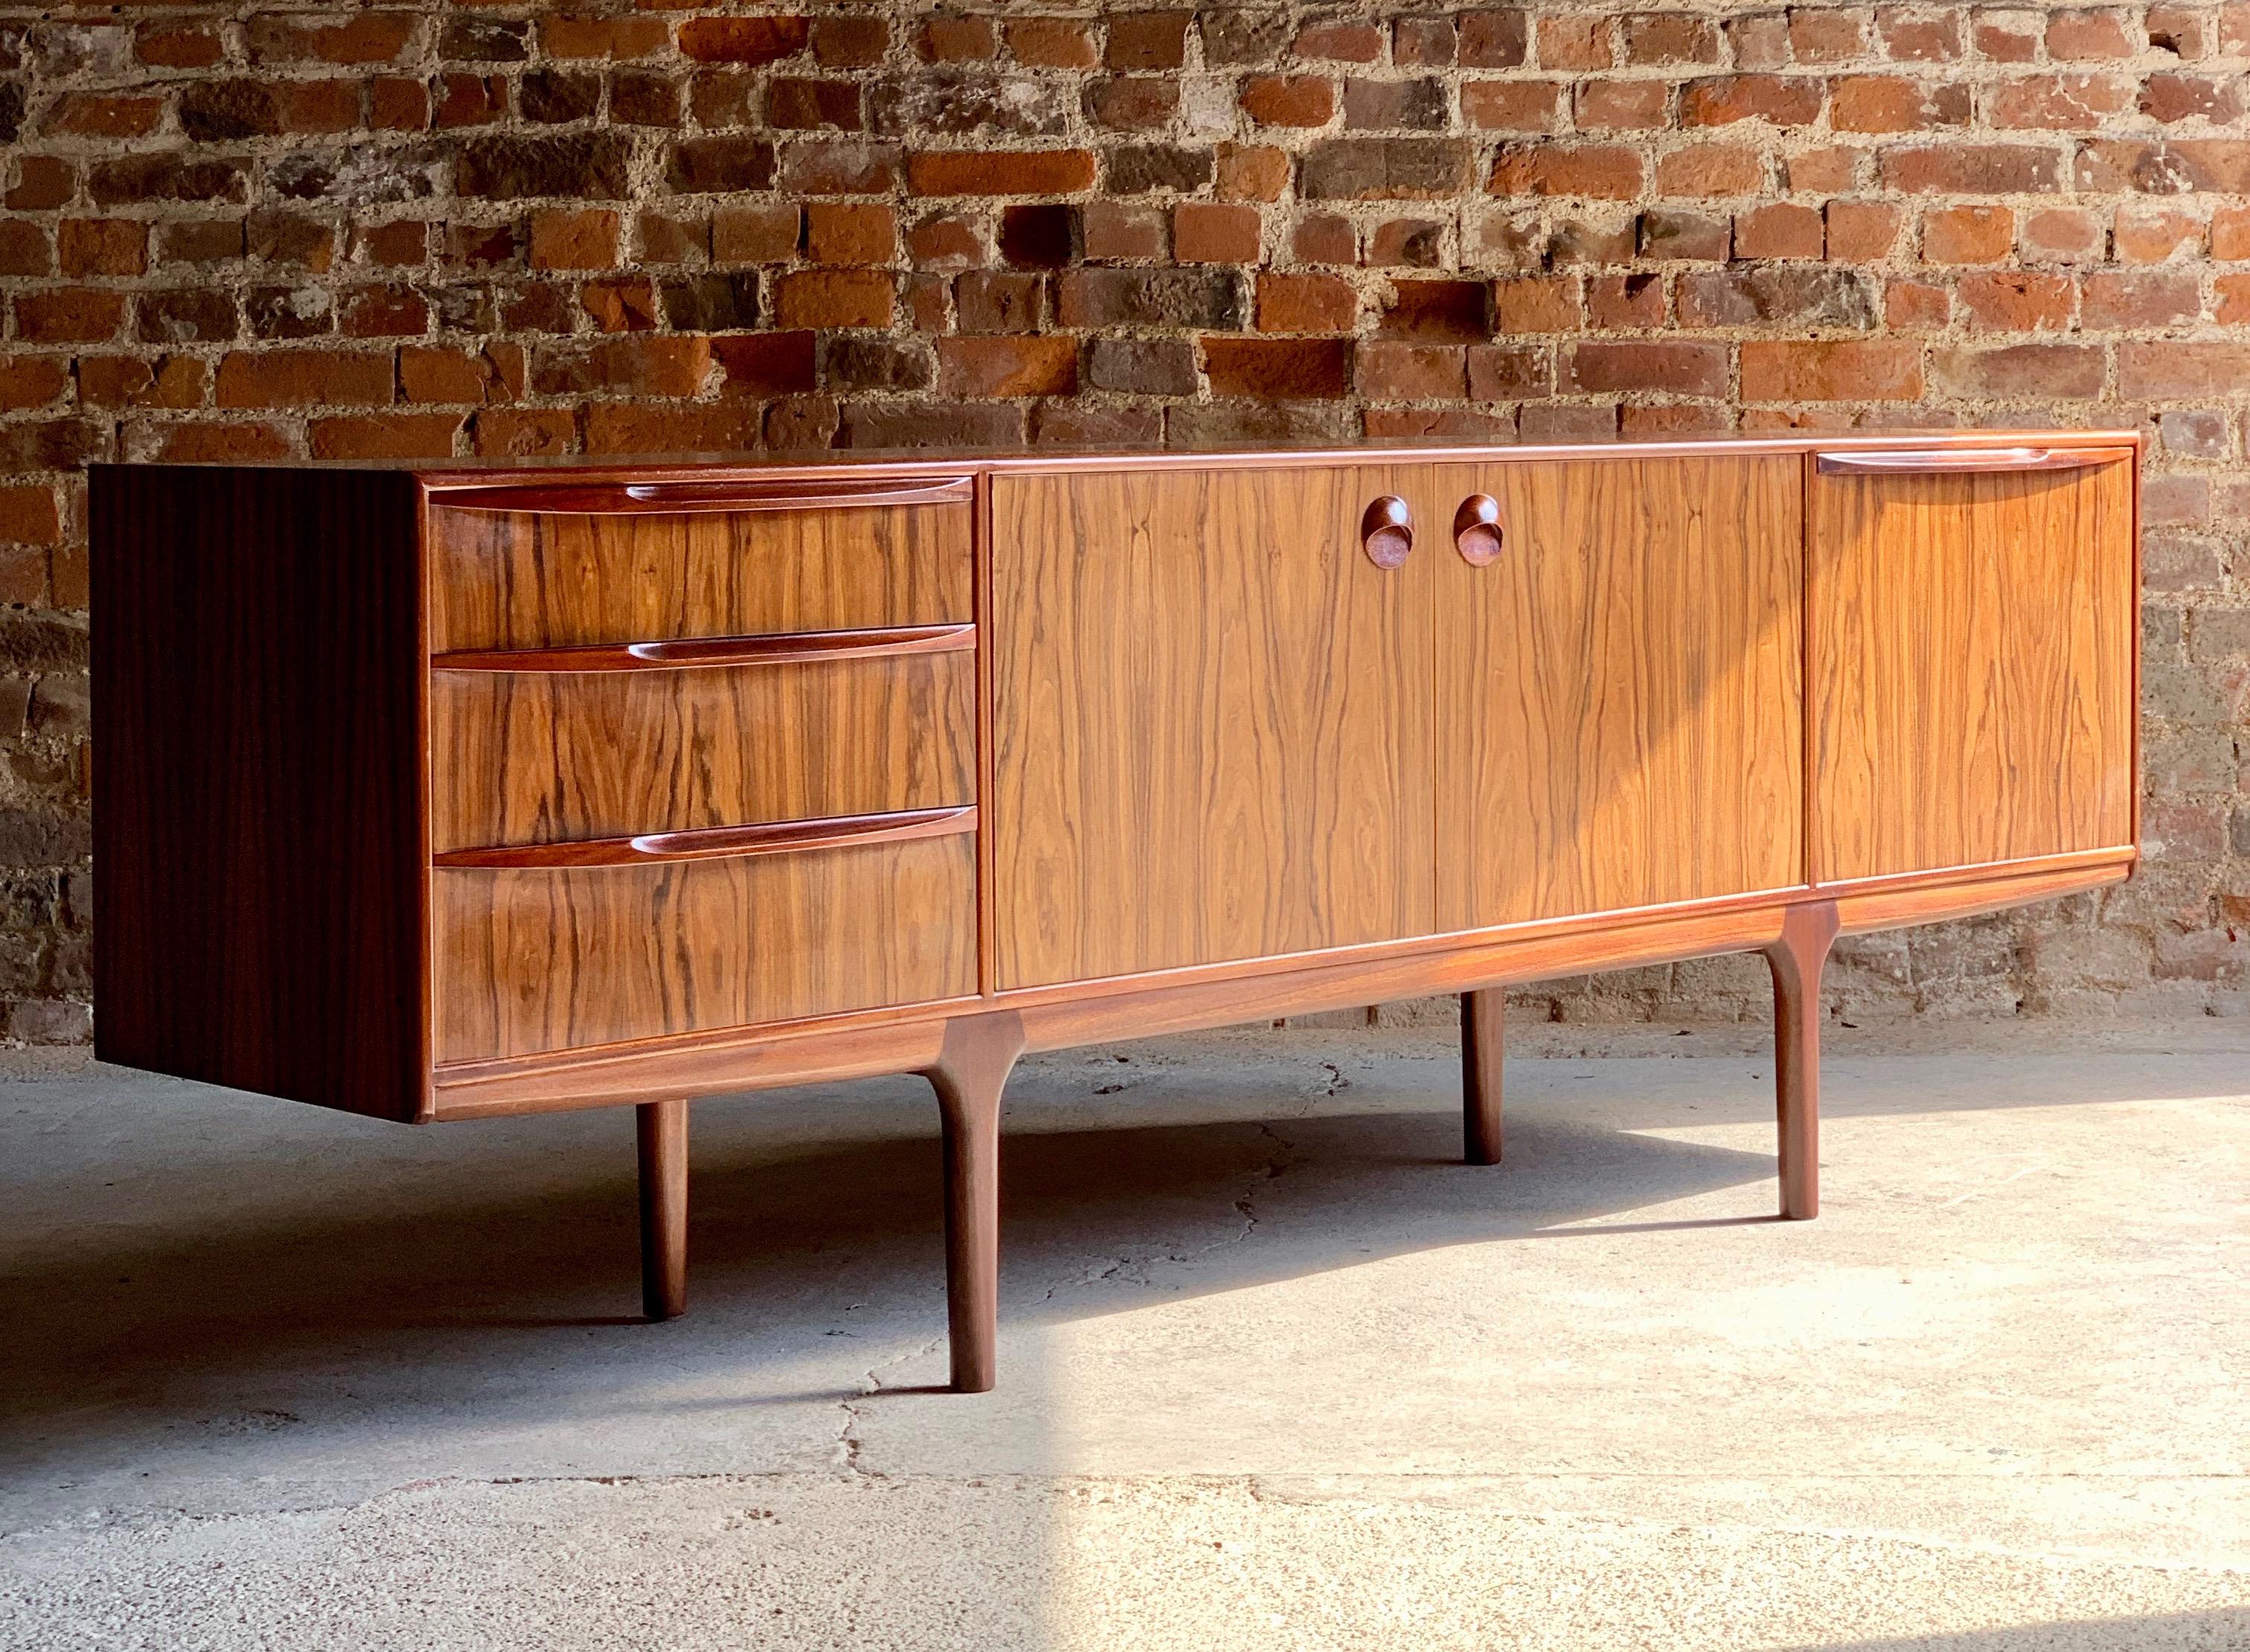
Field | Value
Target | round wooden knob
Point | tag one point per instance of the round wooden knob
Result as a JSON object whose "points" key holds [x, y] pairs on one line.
{"points": [[1477, 530], [1387, 531]]}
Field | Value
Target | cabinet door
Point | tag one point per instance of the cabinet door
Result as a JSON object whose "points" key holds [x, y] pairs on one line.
{"points": [[1210, 726], [1619, 714], [1972, 666]]}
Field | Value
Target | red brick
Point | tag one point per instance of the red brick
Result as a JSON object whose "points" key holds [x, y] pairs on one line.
{"points": [[2076, 35], [626, 304], [631, 427], [1970, 169], [2230, 232], [855, 233], [1779, 99], [25, 249], [1289, 100], [1512, 106], [1536, 304], [1967, 234], [1822, 36], [1458, 310], [636, 364], [1492, 38], [2063, 233], [29, 515], [1910, 35], [34, 380], [1044, 365], [833, 298], [1626, 301], [569, 36], [102, 246], [564, 240], [1272, 369], [2150, 235], [1250, 172], [304, 378], [1911, 305], [1667, 37], [2017, 301], [2067, 372], [2175, 369], [1204, 232], [754, 234], [101, 114], [173, 45], [1782, 230], [1133, 103], [767, 363], [1322, 238], [455, 374], [384, 436], [1861, 231], [1893, 103], [1591, 171], [2139, 300], [43, 182], [1339, 41], [1501, 373], [68, 314], [748, 41], [1146, 39], [1575, 41], [1123, 231], [959, 40], [1292, 303], [1624, 365], [1831, 371], [1407, 243], [1712, 168], [2231, 300], [1387, 371], [1625, 106], [1000, 172], [369, 37], [2059, 102], [1052, 43]]}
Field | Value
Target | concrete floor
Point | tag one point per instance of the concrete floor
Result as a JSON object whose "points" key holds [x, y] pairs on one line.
{"points": [[1276, 1371]]}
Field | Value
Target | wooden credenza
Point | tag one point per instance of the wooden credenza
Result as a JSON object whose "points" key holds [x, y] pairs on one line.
{"points": [[446, 792]]}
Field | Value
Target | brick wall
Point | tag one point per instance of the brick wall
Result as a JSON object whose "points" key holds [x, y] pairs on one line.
{"points": [[259, 232]]}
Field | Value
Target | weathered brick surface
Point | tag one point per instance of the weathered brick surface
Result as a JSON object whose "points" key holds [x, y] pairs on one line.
{"points": [[255, 231]]}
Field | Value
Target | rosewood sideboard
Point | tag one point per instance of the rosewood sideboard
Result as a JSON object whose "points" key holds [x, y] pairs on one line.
{"points": [[444, 793]]}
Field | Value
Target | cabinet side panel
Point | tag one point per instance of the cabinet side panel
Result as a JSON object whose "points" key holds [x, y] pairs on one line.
{"points": [[1620, 703], [260, 865], [1973, 646], [1210, 721]]}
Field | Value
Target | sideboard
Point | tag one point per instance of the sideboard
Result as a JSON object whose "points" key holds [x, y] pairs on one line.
{"points": [[448, 792]]}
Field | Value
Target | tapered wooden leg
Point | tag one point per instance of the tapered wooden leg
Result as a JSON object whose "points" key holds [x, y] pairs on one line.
{"points": [[663, 1130], [972, 1069], [1797, 960], [1481, 1041]]}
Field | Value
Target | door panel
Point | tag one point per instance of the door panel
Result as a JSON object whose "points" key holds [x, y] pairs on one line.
{"points": [[1972, 668], [1619, 699], [1210, 720]]}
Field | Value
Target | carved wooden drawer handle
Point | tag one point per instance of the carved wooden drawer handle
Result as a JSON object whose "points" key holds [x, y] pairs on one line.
{"points": [[712, 843], [631, 498], [1478, 531], [1387, 531], [1937, 461]]}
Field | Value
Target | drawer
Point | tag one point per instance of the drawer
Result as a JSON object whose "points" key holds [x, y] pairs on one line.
{"points": [[579, 751], [534, 959], [580, 563]]}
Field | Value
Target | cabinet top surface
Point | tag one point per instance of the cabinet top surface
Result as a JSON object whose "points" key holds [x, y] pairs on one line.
{"points": [[449, 472]]}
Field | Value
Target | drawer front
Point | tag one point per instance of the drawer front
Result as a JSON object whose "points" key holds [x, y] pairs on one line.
{"points": [[547, 757], [557, 571], [1972, 658], [530, 960]]}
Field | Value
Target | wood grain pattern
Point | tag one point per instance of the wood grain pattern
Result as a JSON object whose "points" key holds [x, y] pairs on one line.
{"points": [[526, 580], [660, 1134], [1210, 721], [969, 1075], [1484, 1042], [542, 758], [259, 805], [528, 961], [706, 651], [1618, 692], [1973, 642], [1795, 960], [633, 497], [712, 843]]}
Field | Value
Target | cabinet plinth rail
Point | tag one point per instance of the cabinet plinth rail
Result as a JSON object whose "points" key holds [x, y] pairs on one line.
{"points": [[712, 843], [794, 648]]}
